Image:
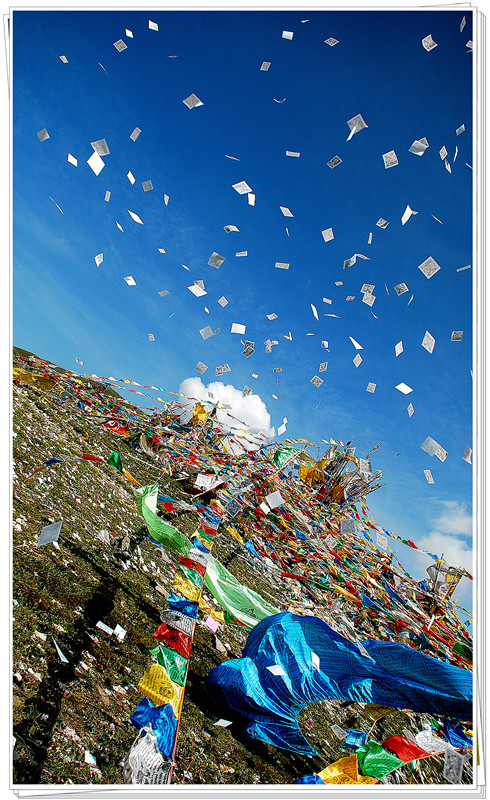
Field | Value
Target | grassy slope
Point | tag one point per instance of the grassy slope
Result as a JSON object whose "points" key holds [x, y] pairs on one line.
{"points": [[60, 710]]}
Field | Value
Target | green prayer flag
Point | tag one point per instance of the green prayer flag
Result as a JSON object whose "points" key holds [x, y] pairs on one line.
{"points": [[239, 601], [375, 761], [173, 662], [115, 461], [207, 536], [285, 453], [159, 529], [463, 650], [192, 575]]}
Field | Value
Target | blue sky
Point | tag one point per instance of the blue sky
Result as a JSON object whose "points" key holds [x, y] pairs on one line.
{"points": [[67, 307]]}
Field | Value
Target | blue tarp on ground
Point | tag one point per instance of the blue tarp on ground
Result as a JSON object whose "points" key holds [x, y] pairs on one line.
{"points": [[268, 705]]}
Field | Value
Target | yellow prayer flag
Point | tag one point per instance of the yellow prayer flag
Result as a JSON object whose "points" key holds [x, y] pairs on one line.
{"points": [[130, 477], [186, 587], [157, 686], [216, 615], [235, 534], [309, 474], [345, 593], [344, 771], [34, 379], [199, 414]]}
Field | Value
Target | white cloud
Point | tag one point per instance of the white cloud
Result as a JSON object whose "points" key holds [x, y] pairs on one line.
{"points": [[455, 519], [451, 535], [249, 409], [457, 552]]}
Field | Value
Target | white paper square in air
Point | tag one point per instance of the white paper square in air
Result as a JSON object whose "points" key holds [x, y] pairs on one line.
{"points": [[390, 159], [428, 342], [135, 217], [404, 388], [241, 187], [429, 267], [428, 42], [200, 367], [215, 260], [355, 124], [419, 146], [192, 101], [100, 147], [96, 163]]}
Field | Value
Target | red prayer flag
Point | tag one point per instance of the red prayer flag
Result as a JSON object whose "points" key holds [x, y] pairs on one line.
{"points": [[178, 640], [405, 748]]}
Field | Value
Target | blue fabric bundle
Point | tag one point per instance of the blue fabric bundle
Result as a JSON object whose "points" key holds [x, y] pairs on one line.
{"points": [[188, 607], [394, 675], [355, 739], [456, 735], [163, 723]]}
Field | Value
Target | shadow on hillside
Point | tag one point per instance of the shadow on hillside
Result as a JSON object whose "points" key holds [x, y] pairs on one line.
{"points": [[41, 712]]}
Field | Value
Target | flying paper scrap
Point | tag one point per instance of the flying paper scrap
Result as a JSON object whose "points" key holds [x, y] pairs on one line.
{"points": [[355, 124]]}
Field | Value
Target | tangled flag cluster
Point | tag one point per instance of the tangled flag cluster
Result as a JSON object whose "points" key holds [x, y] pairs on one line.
{"points": [[304, 529]]}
